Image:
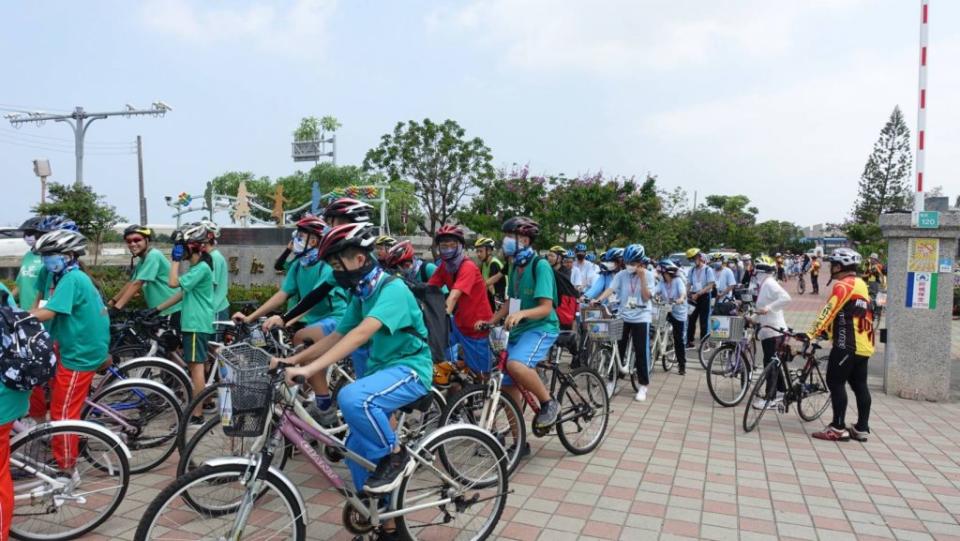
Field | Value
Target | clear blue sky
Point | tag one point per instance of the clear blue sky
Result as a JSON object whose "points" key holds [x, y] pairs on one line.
{"points": [[781, 101]]}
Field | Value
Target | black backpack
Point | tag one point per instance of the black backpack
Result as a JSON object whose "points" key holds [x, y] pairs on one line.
{"points": [[433, 305], [27, 359]]}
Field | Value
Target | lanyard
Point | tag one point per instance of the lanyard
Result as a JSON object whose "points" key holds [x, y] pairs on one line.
{"points": [[633, 284]]}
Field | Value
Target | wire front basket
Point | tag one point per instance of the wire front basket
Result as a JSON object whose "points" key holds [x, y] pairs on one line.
{"points": [[605, 330], [660, 313], [726, 328], [245, 402]]}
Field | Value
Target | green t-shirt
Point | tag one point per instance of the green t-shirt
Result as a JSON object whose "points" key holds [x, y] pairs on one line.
{"points": [[81, 326], [197, 313], [27, 279], [522, 286], [154, 270], [397, 342], [221, 282], [301, 280]]}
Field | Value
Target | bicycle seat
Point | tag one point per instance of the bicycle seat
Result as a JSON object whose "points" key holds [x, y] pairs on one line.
{"points": [[421, 404]]}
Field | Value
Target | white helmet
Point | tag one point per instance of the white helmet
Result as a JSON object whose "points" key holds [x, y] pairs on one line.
{"points": [[211, 228], [194, 233], [61, 241]]}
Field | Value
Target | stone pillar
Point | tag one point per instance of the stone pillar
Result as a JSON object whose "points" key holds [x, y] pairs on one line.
{"points": [[917, 350]]}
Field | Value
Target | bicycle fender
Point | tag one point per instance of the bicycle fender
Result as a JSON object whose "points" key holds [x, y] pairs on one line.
{"points": [[138, 382], [75, 424], [450, 428], [160, 360], [236, 460]]}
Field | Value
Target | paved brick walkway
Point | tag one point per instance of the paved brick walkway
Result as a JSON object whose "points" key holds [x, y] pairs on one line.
{"points": [[678, 466]]}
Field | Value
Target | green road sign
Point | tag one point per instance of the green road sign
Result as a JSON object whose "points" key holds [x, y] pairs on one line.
{"points": [[929, 219]]}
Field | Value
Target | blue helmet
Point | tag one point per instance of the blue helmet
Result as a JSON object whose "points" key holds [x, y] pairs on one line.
{"points": [[591, 257], [56, 223], [612, 254], [569, 254], [580, 248], [634, 254], [668, 265]]}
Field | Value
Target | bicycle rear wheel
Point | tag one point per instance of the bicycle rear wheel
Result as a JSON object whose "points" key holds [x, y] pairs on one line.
{"points": [[207, 395], [584, 411], [276, 512], [608, 370], [761, 398], [477, 461], [43, 511], [727, 378], [813, 396], [668, 354]]}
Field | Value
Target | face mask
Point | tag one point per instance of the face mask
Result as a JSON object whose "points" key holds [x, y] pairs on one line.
{"points": [[299, 245], [448, 254], [581, 257], [717, 266], [55, 264], [30, 240], [509, 246], [350, 279], [310, 257], [631, 268]]}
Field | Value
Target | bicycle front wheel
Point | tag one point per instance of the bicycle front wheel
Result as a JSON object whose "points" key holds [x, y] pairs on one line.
{"points": [[668, 355], [608, 369], [507, 425], [727, 376], [77, 491], [584, 411], [706, 349], [762, 396], [813, 395], [275, 513], [469, 511]]}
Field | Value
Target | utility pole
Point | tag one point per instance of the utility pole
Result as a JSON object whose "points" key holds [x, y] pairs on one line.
{"points": [[80, 121], [143, 198]]}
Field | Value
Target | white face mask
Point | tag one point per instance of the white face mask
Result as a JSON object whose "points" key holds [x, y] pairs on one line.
{"points": [[631, 268], [30, 240]]}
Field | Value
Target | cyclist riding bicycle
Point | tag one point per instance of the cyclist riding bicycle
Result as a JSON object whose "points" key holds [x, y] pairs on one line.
{"points": [[384, 313], [608, 269], [492, 269], [569, 270], [383, 245], [529, 316], [402, 260], [555, 256], [848, 319], [634, 287], [149, 274], [77, 321], [700, 280], [673, 291], [726, 278], [585, 264], [466, 301], [221, 275], [771, 300]]}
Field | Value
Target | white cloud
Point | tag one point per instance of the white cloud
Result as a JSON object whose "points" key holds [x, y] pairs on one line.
{"points": [[620, 36], [298, 27]]}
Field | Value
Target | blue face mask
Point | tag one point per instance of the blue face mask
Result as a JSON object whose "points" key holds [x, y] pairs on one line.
{"points": [[299, 245], [509, 246], [449, 253], [310, 257], [55, 264]]}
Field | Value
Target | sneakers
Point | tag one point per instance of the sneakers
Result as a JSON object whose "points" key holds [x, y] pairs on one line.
{"points": [[387, 535], [196, 420], [682, 371], [832, 434], [547, 417], [858, 434], [390, 472], [762, 403], [326, 418], [641, 394], [524, 451]]}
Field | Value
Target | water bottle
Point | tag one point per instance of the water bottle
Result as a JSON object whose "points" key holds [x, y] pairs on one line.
{"points": [[257, 339]]}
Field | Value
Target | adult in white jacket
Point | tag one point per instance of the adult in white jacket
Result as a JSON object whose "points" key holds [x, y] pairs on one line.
{"points": [[771, 300]]}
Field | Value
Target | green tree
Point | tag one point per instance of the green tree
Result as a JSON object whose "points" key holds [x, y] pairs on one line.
{"points": [[510, 193], [85, 207], [442, 164], [884, 183]]}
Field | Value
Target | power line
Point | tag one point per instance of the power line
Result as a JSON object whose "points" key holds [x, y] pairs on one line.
{"points": [[27, 109], [80, 121], [20, 133]]}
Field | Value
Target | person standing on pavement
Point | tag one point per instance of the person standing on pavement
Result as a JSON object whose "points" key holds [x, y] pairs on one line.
{"points": [[815, 275], [848, 319], [588, 269], [771, 300], [221, 277], [673, 292], [26, 287], [701, 280]]}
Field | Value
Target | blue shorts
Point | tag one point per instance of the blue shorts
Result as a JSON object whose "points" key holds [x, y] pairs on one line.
{"points": [[327, 325], [476, 351], [529, 348]]}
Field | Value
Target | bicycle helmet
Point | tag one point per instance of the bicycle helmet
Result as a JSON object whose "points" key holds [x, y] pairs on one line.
{"points": [[385, 240], [450, 230], [54, 223], [845, 257], [61, 241], [313, 225], [668, 266], [194, 233], [521, 225], [591, 257], [580, 248], [31, 225], [732, 259], [485, 242], [612, 255], [351, 209], [692, 253], [399, 254], [559, 250], [570, 255], [765, 263], [213, 230], [356, 235], [634, 254], [136, 229]]}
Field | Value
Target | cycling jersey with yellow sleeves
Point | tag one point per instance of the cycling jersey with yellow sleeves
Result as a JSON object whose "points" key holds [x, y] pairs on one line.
{"points": [[848, 317]]}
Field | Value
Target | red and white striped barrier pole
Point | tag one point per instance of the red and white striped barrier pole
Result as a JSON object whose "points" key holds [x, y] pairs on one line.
{"points": [[922, 107]]}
